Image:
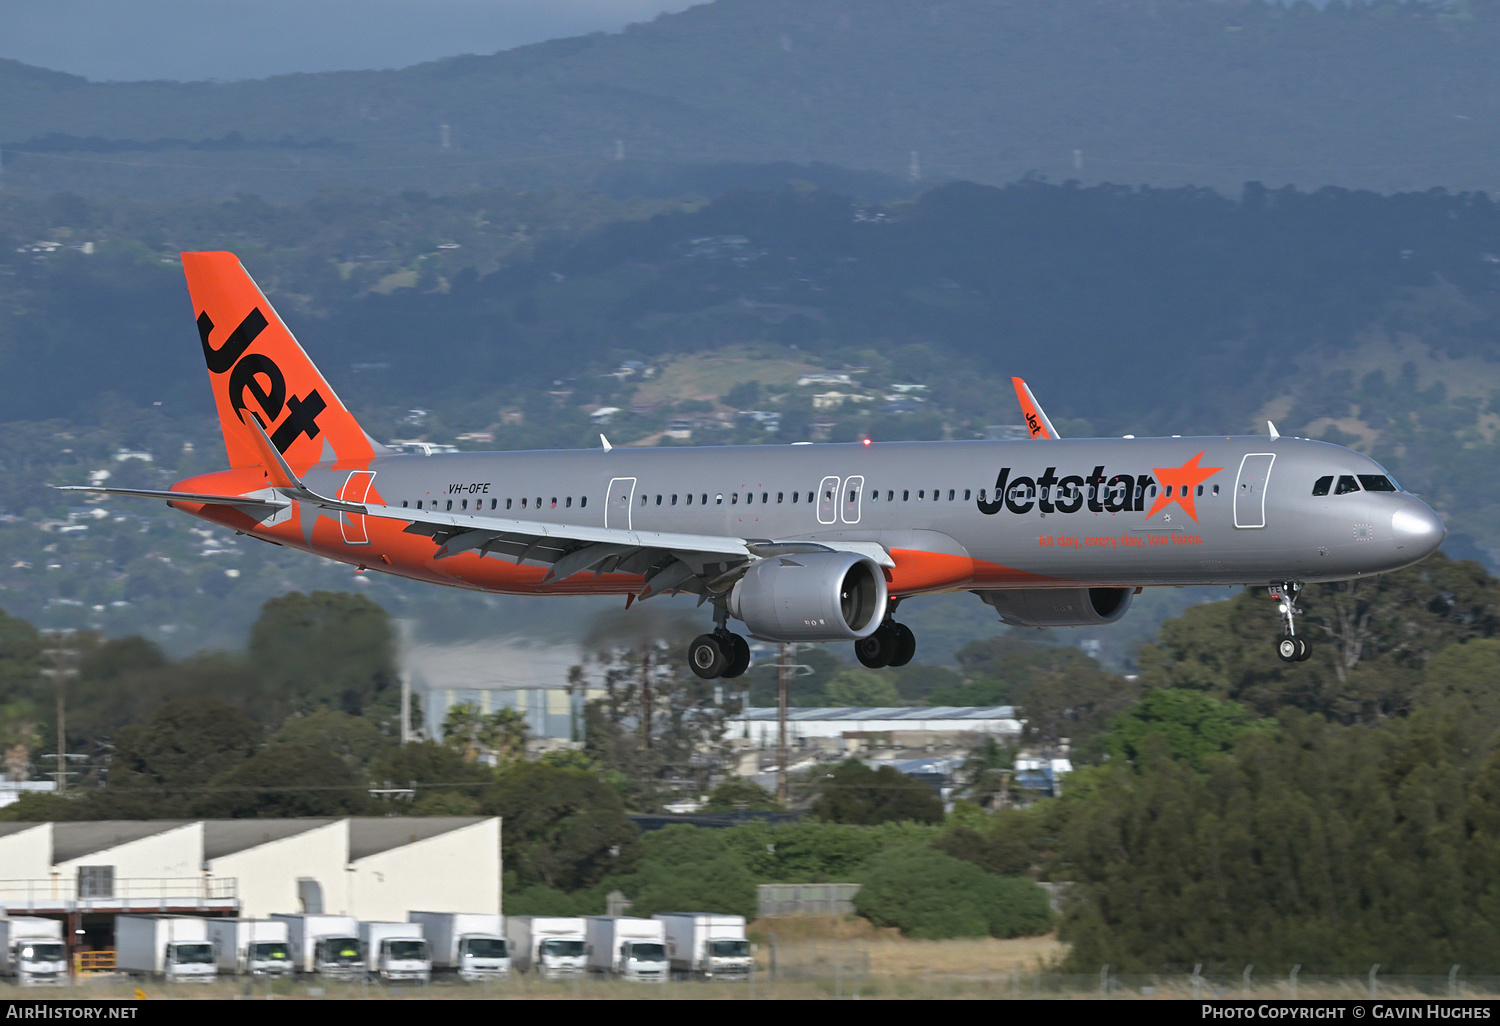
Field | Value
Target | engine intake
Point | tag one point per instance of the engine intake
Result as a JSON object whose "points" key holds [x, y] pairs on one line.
{"points": [[1059, 607], [811, 596]]}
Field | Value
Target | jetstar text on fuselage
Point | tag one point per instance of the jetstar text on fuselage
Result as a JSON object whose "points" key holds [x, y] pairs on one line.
{"points": [[1099, 492]]}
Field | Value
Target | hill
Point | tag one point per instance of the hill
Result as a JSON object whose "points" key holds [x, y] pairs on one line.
{"points": [[1389, 96]]}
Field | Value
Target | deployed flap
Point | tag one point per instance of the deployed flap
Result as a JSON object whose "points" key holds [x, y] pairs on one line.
{"points": [[1037, 424]]}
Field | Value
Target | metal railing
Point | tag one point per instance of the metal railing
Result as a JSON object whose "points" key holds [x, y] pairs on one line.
{"points": [[138, 892]]}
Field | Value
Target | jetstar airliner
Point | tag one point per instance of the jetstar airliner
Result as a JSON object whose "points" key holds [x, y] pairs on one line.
{"points": [[798, 542]]}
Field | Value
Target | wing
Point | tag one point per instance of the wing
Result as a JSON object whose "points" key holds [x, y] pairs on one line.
{"points": [[707, 565], [247, 502]]}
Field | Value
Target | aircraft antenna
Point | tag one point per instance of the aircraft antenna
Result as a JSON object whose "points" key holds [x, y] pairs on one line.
{"points": [[604, 442], [1274, 432]]}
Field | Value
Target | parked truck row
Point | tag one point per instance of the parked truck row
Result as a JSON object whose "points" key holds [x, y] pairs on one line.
{"points": [[472, 946]]}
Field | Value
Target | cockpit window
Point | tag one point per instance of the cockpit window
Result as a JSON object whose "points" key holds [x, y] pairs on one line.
{"points": [[1376, 483], [1322, 484], [1346, 485]]}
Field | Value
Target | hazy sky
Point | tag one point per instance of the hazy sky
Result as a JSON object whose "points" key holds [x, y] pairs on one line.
{"points": [[127, 40]]}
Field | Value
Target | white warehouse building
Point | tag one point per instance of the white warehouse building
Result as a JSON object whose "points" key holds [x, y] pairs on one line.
{"points": [[372, 868], [902, 726]]}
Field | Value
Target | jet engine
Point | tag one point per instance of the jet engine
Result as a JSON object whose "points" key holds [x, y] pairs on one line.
{"points": [[811, 596], [1059, 607]]}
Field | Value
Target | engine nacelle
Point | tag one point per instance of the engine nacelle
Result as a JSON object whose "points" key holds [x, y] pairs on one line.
{"points": [[811, 596], [1059, 607]]}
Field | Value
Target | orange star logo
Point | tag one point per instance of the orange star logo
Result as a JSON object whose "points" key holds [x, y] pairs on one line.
{"points": [[1178, 484]]}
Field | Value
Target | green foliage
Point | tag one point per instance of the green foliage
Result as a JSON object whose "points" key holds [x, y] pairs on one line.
{"points": [[352, 738], [500, 734], [686, 867], [813, 852], [860, 688], [325, 649], [928, 894], [738, 793], [853, 793], [286, 781], [563, 828], [1192, 723]]}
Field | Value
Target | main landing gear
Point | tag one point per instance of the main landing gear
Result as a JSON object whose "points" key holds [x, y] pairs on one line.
{"points": [[892, 644], [1290, 648], [721, 653]]}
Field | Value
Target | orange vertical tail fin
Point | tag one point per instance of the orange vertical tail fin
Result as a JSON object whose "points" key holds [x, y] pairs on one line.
{"points": [[257, 368]]}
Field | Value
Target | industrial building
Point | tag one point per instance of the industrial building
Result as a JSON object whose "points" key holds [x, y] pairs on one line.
{"points": [[372, 868], [853, 729]]}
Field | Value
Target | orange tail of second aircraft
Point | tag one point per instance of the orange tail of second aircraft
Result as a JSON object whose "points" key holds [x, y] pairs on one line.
{"points": [[255, 366]]}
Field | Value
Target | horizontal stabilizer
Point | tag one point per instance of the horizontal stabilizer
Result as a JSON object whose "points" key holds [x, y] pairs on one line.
{"points": [[209, 500]]}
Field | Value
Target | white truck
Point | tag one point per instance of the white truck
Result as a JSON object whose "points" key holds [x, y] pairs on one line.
{"points": [[551, 946], [630, 948], [32, 952], [471, 944], [251, 947], [396, 951], [709, 946], [324, 944], [175, 948]]}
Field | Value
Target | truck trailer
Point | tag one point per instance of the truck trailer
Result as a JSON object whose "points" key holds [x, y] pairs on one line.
{"points": [[551, 946], [175, 948], [396, 951], [32, 952], [326, 945], [251, 947], [471, 944], [706, 945], [630, 948]]}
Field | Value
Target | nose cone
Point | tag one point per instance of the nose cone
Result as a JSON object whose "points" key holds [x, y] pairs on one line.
{"points": [[1416, 530]]}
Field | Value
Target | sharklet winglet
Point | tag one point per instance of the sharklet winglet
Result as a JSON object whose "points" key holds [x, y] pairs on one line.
{"points": [[1037, 423], [282, 478]]}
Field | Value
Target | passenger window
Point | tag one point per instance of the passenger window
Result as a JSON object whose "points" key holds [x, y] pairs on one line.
{"points": [[966, 495], [643, 500], [809, 496], [734, 498], [765, 497], [524, 500], [950, 494], [583, 501], [780, 496], [719, 499], [538, 502], [703, 499], [1200, 489], [1216, 489], [689, 498], [568, 504], [794, 496], [1376, 483], [749, 498], [403, 503], [905, 496], [674, 498], [507, 503], [450, 503], [875, 495], [658, 500], [1322, 484], [920, 494], [419, 504], [1346, 485], [554, 502]]}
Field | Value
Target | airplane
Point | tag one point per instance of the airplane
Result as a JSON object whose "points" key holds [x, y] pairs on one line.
{"points": [[799, 542]]}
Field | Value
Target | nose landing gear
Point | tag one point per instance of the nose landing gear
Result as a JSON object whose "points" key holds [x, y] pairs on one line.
{"points": [[1290, 647]]}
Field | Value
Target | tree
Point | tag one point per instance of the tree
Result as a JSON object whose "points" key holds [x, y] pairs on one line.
{"points": [[500, 735], [738, 793], [930, 895], [854, 793], [687, 867], [1193, 724], [329, 649], [563, 828], [862, 688], [443, 781], [160, 768], [284, 781]]}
